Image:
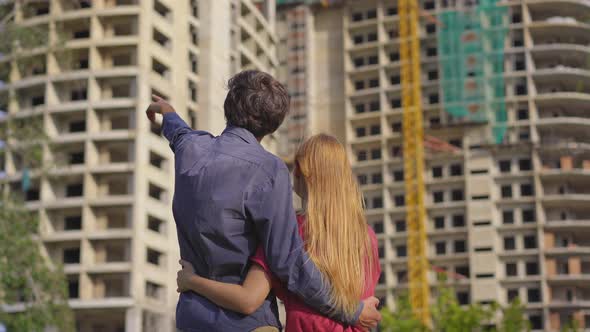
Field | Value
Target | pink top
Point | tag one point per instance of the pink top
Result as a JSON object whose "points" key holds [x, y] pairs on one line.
{"points": [[300, 317]]}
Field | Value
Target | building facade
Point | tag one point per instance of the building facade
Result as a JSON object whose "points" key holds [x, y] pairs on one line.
{"points": [[312, 69], [507, 212], [104, 204]]}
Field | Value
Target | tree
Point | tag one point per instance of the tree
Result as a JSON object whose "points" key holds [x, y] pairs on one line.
{"points": [[572, 326], [27, 277], [512, 318], [402, 319], [29, 283], [449, 316]]}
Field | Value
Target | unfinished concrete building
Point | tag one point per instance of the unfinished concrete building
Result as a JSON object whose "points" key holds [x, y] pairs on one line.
{"points": [[104, 205], [507, 210]]}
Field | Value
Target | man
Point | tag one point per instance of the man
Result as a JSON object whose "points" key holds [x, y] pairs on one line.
{"points": [[232, 195]]}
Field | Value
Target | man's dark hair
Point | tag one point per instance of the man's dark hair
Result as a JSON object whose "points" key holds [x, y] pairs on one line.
{"points": [[257, 102]]}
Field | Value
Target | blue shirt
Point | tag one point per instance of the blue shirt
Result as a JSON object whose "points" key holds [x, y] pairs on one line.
{"points": [[230, 196]]}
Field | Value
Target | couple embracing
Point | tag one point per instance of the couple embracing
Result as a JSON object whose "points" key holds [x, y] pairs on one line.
{"points": [[242, 244]]}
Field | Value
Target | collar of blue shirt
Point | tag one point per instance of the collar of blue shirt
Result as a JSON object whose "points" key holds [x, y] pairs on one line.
{"points": [[242, 133]]}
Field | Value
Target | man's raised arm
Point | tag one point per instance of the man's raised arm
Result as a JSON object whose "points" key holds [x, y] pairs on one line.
{"points": [[270, 207], [173, 127]]}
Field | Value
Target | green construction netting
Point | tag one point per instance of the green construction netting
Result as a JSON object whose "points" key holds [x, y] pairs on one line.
{"points": [[471, 56]]}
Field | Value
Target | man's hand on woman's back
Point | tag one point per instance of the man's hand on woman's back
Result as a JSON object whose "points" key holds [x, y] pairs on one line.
{"points": [[370, 316]]}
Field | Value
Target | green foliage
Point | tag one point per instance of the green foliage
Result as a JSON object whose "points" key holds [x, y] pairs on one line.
{"points": [[25, 137], [572, 326], [402, 319], [26, 276], [512, 318], [449, 316], [16, 37], [32, 288]]}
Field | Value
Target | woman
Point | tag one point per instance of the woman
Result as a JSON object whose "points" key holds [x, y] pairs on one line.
{"points": [[336, 237]]}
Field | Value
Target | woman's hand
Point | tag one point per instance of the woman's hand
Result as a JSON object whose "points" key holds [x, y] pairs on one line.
{"points": [[184, 276]]}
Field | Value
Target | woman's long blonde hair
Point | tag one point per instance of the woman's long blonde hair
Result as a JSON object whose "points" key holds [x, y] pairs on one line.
{"points": [[336, 235]]}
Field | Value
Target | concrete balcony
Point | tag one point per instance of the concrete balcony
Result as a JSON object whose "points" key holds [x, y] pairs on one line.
{"points": [[574, 304], [65, 170], [565, 200], [450, 257], [559, 32], [122, 71], [559, 55], [61, 236], [558, 146], [109, 303], [518, 253], [111, 267], [569, 279], [445, 233], [430, 206], [113, 135], [568, 123], [72, 268], [573, 250], [542, 10], [114, 167], [559, 83], [119, 200], [62, 203], [28, 82], [110, 234], [555, 96], [520, 279], [366, 139], [118, 10], [117, 41], [552, 53], [114, 103], [364, 23], [374, 115], [262, 43], [572, 225], [447, 180]]}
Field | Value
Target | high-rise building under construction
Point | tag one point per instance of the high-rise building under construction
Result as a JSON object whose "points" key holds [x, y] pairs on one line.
{"points": [[505, 87], [104, 204]]}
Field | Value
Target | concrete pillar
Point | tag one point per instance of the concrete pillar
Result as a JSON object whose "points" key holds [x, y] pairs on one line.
{"points": [[133, 320], [215, 65]]}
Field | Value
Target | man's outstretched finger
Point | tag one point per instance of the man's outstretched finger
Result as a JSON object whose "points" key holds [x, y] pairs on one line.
{"points": [[155, 107], [157, 98]]}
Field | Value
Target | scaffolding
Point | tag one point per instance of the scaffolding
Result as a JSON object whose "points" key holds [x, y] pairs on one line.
{"points": [[471, 58]]}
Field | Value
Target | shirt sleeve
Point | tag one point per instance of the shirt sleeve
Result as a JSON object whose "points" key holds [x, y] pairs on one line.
{"points": [[177, 131], [270, 207]]}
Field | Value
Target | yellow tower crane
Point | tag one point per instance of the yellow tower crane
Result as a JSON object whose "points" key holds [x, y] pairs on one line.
{"points": [[413, 151]]}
